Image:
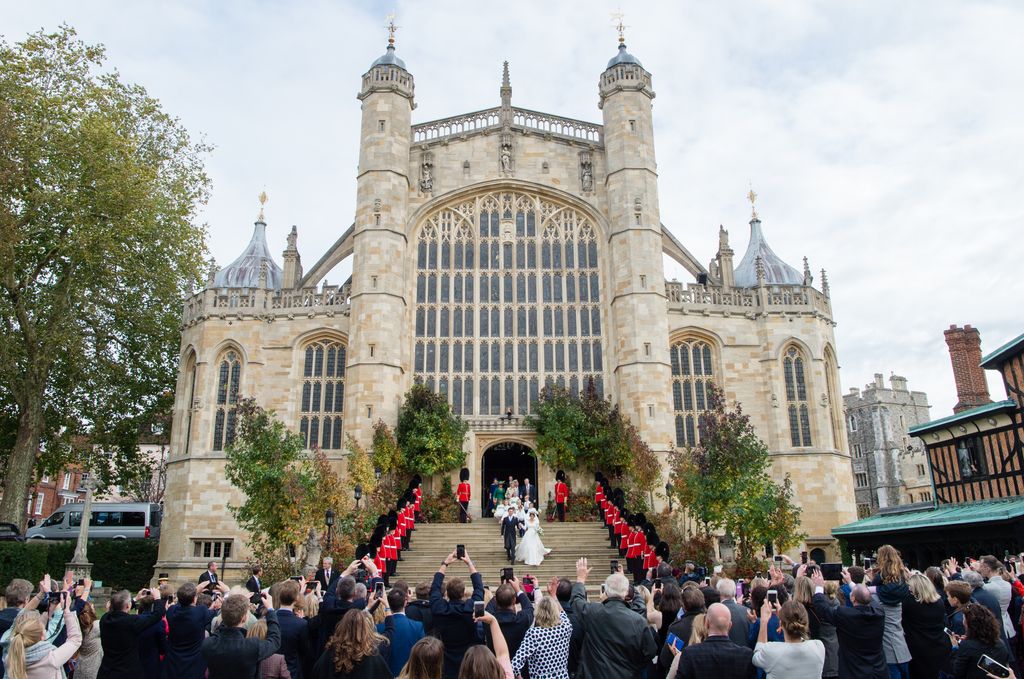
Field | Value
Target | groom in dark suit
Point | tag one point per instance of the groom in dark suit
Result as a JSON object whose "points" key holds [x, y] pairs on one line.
{"points": [[510, 531]]}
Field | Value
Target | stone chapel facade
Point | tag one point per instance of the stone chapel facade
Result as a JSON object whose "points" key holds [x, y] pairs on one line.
{"points": [[495, 252]]}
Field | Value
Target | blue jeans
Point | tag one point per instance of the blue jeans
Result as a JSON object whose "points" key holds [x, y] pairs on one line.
{"points": [[899, 670]]}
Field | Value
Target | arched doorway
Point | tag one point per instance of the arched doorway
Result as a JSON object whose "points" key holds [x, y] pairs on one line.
{"points": [[502, 460]]}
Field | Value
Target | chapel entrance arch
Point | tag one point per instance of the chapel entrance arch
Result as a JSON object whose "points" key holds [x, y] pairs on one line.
{"points": [[502, 460]]}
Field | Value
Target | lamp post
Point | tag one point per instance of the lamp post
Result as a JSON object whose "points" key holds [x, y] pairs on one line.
{"points": [[329, 522], [358, 494], [376, 473], [668, 494], [79, 564]]}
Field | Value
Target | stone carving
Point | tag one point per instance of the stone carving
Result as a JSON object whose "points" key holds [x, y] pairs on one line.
{"points": [[506, 158], [637, 205], [426, 174], [376, 205], [586, 172]]}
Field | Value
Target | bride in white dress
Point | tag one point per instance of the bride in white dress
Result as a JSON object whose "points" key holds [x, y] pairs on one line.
{"points": [[530, 549]]}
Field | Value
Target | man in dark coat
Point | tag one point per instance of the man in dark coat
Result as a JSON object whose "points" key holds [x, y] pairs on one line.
{"points": [[338, 601], [740, 623], [210, 574], [860, 629], [528, 491], [119, 635], [693, 605], [717, 656], [453, 617], [254, 584], [228, 652], [295, 646], [513, 624], [510, 531], [617, 642], [327, 576], [561, 589], [186, 630]]}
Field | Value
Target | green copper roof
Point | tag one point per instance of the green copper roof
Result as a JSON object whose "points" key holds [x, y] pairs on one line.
{"points": [[1002, 352], [998, 406], [943, 515]]}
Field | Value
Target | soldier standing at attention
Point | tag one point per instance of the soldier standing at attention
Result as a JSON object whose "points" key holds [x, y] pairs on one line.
{"points": [[463, 495]]}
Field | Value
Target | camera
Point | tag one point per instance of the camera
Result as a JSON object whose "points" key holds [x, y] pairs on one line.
{"points": [[614, 563]]}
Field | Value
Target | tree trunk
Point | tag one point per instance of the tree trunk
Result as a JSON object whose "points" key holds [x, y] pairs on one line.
{"points": [[22, 461]]}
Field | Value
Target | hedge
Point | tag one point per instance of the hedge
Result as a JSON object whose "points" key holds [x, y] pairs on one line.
{"points": [[119, 564]]}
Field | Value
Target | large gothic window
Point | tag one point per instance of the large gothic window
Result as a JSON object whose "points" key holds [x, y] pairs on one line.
{"points": [[229, 376], [323, 394], [507, 301], [692, 372], [794, 368]]}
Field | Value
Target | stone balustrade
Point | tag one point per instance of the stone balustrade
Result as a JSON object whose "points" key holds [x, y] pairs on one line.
{"points": [[693, 298], [523, 120], [495, 423], [261, 303]]}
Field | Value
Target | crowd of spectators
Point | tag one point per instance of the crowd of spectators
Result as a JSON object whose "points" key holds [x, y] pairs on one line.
{"points": [[883, 622]]}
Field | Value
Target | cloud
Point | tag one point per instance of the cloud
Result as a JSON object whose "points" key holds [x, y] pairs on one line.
{"points": [[883, 138]]}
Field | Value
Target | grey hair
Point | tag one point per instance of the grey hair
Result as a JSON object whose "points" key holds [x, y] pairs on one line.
{"points": [[973, 579], [727, 588], [360, 591], [616, 585]]}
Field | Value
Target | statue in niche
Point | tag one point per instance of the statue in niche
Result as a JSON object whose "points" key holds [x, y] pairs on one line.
{"points": [[587, 174], [426, 177], [506, 158]]}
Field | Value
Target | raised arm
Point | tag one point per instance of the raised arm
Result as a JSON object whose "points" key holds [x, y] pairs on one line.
{"points": [[270, 645]]}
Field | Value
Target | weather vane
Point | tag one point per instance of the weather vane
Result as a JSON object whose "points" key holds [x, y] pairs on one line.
{"points": [[263, 201], [392, 28], [752, 197], [617, 17]]}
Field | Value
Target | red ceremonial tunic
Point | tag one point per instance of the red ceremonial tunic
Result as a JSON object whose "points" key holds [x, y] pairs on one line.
{"points": [[464, 492], [608, 517], [626, 542], [599, 494], [419, 497], [640, 542], [400, 529], [380, 562], [390, 552], [632, 545], [561, 492], [621, 527], [650, 558], [410, 517]]}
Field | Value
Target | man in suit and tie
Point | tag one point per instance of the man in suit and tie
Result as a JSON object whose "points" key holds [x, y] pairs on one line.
{"points": [[254, 585], [210, 575], [860, 629], [527, 491], [401, 631], [510, 532], [327, 576]]}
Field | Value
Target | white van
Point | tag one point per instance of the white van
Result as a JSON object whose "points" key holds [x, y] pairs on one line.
{"points": [[110, 520]]}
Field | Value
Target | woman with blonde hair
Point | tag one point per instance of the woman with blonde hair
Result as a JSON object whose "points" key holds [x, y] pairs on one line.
{"points": [[30, 655], [797, 657], [891, 588], [924, 623], [699, 630], [426, 660], [545, 648], [275, 666], [822, 630], [353, 651]]}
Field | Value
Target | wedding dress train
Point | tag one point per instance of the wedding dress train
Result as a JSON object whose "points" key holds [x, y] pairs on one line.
{"points": [[530, 549]]}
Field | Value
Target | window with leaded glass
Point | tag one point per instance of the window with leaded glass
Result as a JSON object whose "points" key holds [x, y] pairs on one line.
{"points": [[794, 367], [537, 274], [229, 376], [323, 394], [692, 372]]}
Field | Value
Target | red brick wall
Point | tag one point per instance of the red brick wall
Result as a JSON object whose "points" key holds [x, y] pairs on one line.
{"points": [[53, 494]]}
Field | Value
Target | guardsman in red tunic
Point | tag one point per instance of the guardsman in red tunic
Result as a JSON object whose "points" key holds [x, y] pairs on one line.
{"points": [[622, 524], [417, 491], [599, 484], [561, 494], [463, 495], [639, 545], [609, 521]]}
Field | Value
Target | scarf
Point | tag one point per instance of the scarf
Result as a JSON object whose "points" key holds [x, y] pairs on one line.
{"points": [[38, 651]]}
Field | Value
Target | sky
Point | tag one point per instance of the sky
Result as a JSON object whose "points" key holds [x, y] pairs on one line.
{"points": [[884, 139]]}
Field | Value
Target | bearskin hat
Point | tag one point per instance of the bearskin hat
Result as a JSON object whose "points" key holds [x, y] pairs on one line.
{"points": [[402, 502], [662, 550], [641, 520], [362, 550], [464, 475], [392, 520], [416, 481], [382, 520], [560, 475]]}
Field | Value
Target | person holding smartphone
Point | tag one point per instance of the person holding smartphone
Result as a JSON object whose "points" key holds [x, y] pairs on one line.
{"points": [[502, 606], [452, 612], [982, 638]]}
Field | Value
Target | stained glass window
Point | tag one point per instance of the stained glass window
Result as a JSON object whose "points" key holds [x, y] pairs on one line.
{"points": [[692, 372], [323, 394]]}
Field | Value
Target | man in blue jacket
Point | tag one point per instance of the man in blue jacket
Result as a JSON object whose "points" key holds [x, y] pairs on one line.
{"points": [[295, 644], [402, 632]]}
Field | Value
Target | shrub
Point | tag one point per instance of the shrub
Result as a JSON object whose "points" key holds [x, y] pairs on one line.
{"points": [[440, 507], [119, 564]]}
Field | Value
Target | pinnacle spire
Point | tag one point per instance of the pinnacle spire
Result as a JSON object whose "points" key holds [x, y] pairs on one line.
{"points": [[506, 92], [505, 82]]}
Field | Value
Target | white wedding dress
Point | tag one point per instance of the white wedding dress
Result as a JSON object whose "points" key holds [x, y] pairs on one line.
{"points": [[530, 549]]}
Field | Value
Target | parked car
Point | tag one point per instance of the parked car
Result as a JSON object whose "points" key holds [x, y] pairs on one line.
{"points": [[10, 533], [110, 520]]}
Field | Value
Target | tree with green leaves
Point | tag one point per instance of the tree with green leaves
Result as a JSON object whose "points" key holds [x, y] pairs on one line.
{"points": [[268, 464], [429, 434], [725, 482], [99, 190]]}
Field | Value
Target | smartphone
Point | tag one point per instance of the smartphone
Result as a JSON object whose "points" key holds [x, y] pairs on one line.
{"points": [[832, 571], [657, 583], [460, 551], [739, 590], [707, 581], [614, 564], [507, 574], [949, 632], [310, 586], [673, 640], [803, 557], [478, 609], [81, 582], [529, 582], [378, 590], [773, 597], [777, 558], [296, 578], [987, 664], [602, 588]]}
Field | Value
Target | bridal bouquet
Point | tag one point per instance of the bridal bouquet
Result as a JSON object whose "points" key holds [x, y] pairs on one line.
{"points": [[540, 530]]}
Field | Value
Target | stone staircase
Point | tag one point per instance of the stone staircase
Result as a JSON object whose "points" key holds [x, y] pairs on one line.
{"points": [[567, 541]]}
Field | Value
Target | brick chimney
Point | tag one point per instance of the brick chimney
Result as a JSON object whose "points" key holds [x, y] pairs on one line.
{"points": [[965, 353]]}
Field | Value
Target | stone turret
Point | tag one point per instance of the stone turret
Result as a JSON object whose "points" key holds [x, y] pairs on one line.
{"points": [[725, 254], [376, 375], [292, 261], [638, 305]]}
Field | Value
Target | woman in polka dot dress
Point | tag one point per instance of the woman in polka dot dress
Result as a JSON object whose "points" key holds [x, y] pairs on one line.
{"points": [[545, 648]]}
